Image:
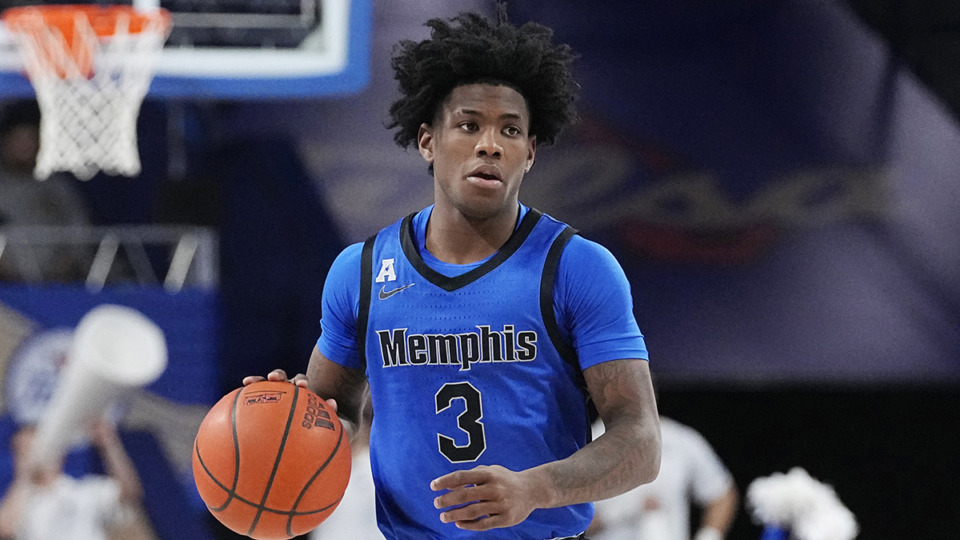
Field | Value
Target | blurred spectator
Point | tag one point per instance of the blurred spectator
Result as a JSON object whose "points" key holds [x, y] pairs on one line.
{"points": [[26, 201], [47, 504], [690, 473]]}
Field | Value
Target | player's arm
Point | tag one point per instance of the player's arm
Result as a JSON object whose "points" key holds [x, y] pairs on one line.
{"points": [[625, 456], [345, 386], [598, 305], [334, 370], [628, 453]]}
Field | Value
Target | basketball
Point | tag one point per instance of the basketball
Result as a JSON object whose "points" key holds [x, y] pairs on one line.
{"points": [[271, 460]]}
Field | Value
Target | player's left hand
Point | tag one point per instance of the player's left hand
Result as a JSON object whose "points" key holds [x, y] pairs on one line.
{"points": [[492, 497]]}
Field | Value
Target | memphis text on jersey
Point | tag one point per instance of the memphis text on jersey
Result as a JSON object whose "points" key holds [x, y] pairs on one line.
{"points": [[400, 348]]}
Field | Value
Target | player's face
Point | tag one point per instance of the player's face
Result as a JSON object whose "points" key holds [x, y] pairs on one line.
{"points": [[480, 147]]}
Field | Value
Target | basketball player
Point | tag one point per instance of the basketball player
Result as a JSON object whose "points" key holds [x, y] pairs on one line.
{"points": [[481, 325]]}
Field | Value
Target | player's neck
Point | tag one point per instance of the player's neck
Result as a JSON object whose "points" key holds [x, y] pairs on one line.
{"points": [[455, 238]]}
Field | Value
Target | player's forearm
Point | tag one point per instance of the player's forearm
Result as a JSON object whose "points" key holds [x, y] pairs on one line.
{"points": [[332, 381], [624, 457]]}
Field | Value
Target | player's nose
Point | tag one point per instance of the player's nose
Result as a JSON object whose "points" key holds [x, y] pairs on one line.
{"points": [[488, 144]]}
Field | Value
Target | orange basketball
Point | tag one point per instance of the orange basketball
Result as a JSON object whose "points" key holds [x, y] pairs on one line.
{"points": [[271, 460]]}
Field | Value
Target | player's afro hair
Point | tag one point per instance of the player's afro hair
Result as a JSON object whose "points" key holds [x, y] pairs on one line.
{"points": [[470, 49]]}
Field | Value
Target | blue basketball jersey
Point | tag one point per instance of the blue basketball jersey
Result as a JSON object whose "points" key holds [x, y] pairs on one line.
{"points": [[467, 370]]}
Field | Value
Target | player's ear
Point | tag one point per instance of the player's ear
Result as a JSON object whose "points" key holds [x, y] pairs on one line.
{"points": [[425, 142], [531, 152]]}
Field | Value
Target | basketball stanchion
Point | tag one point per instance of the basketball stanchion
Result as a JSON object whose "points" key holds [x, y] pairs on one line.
{"points": [[115, 350], [91, 68]]}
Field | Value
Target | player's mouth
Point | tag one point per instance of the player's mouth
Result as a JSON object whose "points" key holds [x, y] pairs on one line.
{"points": [[485, 176]]}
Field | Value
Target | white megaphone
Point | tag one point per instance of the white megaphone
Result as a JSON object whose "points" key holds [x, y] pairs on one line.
{"points": [[115, 349]]}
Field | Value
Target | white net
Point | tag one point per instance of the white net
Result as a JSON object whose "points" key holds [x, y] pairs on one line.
{"points": [[90, 89]]}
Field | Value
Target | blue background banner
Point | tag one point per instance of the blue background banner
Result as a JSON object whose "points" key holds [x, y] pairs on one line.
{"points": [[189, 320]]}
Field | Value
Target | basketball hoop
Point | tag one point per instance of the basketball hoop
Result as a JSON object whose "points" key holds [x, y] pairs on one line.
{"points": [[91, 67]]}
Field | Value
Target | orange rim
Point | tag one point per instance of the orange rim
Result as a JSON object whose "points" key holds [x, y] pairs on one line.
{"points": [[103, 19], [30, 20]]}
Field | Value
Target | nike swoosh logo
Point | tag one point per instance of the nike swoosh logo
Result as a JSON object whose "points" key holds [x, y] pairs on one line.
{"points": [[384, 294]]}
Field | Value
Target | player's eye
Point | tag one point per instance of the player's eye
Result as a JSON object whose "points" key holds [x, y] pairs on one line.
{"points": [[512, 131]]}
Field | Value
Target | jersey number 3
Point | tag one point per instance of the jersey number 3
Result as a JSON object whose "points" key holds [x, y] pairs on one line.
{"points": [[468, 421]]}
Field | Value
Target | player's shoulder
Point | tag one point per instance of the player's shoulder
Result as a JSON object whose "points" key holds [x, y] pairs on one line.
{"points": [[579, 246], [581, 252], [583, 244], [347, 264], [584, 260], [350, 254]]}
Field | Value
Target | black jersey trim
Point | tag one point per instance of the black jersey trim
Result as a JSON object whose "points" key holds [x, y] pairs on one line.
{"points": [[366, 288], [409, 244], [547, 281], [566, 350]]}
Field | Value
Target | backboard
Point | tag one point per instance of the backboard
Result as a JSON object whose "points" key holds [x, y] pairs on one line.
{"points": [[243, 49]]}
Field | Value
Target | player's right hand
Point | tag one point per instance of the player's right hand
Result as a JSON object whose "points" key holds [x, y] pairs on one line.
{"points": [[277, 375]]}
